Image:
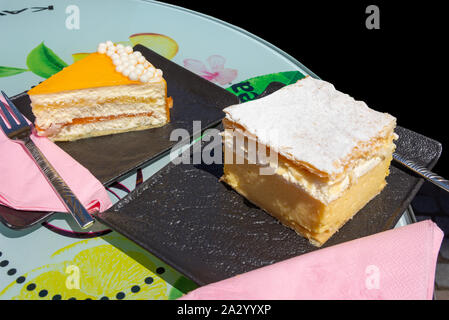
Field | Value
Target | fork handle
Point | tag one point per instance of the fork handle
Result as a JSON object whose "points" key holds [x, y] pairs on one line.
{"points": [[423, 172], [65, 194]]}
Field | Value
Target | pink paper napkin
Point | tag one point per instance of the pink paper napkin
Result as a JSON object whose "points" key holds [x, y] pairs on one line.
{"points": [[395, 264], [24, 187]]}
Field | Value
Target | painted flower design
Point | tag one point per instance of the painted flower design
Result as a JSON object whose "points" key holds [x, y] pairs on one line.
{"points": [[216, 71]]}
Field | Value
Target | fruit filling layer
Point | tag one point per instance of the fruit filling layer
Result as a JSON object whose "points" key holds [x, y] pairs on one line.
{"points": [[79, 121]]}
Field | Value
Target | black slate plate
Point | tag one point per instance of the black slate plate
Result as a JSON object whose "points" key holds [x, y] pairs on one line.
{"points": [[111, 157], [207, 231]]}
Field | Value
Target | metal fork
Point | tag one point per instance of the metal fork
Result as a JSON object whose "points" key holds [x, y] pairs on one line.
{"points": [[19, 130], [423, 172]]}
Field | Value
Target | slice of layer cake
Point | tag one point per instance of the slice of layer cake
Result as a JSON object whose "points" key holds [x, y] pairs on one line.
{"points": [[113, 90], [328, 155]]}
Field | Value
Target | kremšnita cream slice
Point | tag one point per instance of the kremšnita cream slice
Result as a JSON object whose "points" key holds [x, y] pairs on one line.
{"points": [[332, 155]]}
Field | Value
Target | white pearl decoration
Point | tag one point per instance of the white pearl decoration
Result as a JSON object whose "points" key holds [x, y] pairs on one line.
{"points": [[133, 76], [132, 69], [144, 78], [131, 64], [102, 48], [151, 71], [139, 71]]}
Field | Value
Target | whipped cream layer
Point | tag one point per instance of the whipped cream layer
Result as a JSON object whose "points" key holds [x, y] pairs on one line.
{"points": [[94, 96], [125, 124], [313, 124], [323, 189]]}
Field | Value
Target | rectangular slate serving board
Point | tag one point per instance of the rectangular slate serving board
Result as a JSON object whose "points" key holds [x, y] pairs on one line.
{"points": [[209, 232]]}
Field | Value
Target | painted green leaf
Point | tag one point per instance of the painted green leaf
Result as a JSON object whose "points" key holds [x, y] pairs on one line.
{"points": [[251, 88], [261, 82], [10, 71], [44, 62]]}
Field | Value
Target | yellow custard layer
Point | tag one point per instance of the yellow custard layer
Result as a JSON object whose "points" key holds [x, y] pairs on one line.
{"points": [[296, 208]]}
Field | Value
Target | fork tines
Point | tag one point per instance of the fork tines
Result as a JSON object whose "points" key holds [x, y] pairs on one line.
{"points": [[7, 115], [13, 108]]}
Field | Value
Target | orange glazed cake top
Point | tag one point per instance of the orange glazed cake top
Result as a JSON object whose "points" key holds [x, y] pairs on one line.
{"points": [[95, 70], [111, 65]]}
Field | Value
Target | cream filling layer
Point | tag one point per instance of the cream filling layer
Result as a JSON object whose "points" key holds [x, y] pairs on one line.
{"points": [[93, 96], [45, 117], [324, 190], [122, 124]]}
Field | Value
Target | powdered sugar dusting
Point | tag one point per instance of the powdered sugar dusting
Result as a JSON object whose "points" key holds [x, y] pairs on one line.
{"points": [[311, 122]]}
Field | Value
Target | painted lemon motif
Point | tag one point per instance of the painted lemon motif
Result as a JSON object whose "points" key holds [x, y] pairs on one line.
{"points": [[101, 272], [78, 56], [160, 43], [94, 269]]}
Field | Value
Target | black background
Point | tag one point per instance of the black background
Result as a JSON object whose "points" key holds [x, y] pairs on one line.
{"points": [[400, 68]]}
